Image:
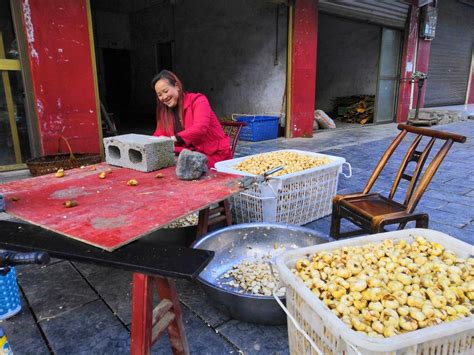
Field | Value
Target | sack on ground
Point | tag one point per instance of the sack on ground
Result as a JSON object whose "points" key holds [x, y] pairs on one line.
{"points": [[323, 120]]}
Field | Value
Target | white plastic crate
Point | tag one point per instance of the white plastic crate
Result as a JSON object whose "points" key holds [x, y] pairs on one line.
{"points": [[296, 198], [332, 336]]}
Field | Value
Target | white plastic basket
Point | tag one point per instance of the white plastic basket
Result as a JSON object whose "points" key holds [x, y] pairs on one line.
{"points": [[296, 198], [331, 336]]}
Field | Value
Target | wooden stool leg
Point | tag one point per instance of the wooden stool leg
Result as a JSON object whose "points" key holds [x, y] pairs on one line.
{"points": [[167, 290], [142, 306], [220, 214], [203, 223], [228, 216]]}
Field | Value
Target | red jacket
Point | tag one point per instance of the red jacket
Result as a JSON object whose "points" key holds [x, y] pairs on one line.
{"points": [[202, 131]]}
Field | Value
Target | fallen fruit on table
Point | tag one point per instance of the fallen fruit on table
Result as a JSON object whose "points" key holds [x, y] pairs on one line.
{"points": [[102, 175], [14, 199], [59, 173], [159, 176], [392, 287], [132, 182], [70, 203], [93, 168], [291, 162], [108, 170]]}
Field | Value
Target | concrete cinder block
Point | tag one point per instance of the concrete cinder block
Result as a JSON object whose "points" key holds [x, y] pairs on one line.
{"points": [[139, 152]]}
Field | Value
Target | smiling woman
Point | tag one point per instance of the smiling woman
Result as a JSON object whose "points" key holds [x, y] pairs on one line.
{"points": [[188, 119]]}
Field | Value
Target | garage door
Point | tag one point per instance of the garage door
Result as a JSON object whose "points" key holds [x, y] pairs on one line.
{"points": [[389, 13], [450, 56]]}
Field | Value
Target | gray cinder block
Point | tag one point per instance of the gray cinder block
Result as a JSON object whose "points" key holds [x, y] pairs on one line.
{"points": [[139, 152]]}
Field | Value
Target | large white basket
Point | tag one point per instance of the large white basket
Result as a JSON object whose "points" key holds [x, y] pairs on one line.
{"points": [[296, 198], [332, 336]]}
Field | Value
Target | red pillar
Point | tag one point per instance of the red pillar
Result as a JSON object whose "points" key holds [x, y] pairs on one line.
{"points": [[303, 74], [408, 64], [422, 64], [63, 73]]}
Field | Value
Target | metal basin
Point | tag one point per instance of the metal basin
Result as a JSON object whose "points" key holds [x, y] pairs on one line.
{"points": [[235, 244]]}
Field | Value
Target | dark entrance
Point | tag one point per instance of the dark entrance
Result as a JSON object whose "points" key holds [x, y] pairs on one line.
{"points": [[118, 83]]}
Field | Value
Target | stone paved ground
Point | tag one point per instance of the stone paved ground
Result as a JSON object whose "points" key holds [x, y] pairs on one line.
{"points": [[74, 308]]}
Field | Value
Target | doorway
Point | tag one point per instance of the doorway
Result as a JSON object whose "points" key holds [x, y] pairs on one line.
{"points": [[388, 74], [357, 71], [164, 56], [118, 83], [14, 137]]}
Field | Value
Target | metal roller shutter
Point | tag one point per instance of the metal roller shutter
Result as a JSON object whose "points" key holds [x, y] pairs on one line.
{"points": [[389, 13], [450, 56]]}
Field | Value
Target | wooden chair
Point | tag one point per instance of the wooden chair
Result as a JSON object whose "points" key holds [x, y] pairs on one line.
{"points": [[232, 130], [220, 214], [371, 212]]}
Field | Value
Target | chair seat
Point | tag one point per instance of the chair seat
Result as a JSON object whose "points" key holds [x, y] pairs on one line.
{"points": [[371, 205]]}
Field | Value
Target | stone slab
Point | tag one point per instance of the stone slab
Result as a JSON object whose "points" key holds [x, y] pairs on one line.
{"points": [[113, 285], [90, 329], [23, 332], [55, 289], [256, 339], [196, 300], [202, 339]]}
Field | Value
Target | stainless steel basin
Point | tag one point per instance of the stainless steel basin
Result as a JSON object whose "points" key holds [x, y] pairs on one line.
{"points": [[235, 244]]}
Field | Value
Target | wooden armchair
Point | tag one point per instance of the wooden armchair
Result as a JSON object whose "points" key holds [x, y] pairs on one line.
{"points": [[220, 214], [232, 130], [371, 212]]}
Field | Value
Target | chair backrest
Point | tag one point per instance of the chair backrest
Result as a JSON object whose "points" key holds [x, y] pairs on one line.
{"points": [[415, 189], [232, 130]]}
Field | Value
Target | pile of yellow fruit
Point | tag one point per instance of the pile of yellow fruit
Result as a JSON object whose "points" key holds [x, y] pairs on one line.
{"points": [[291, 162], [389, 288]]}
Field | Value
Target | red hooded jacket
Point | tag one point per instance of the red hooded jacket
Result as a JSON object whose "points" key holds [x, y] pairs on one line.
{"points": [[202, 131]]}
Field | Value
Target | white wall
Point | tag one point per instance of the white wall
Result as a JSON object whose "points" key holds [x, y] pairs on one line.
{"points": [[224, 49]]}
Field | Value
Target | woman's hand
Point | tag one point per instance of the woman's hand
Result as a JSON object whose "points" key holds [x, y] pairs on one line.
{"points": [[173, 138]]}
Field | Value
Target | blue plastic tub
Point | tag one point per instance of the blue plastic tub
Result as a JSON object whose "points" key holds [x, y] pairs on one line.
{"points": [[9, 296], [259, 128]]}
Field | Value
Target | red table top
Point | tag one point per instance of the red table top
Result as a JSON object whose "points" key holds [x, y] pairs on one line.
{"points": [[110, 213]]}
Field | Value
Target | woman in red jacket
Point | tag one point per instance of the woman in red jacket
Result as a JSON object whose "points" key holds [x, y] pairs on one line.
{"points": [[188, 119]]}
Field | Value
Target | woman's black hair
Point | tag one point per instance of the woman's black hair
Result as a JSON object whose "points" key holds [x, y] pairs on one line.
{"points": [[164, 74]]}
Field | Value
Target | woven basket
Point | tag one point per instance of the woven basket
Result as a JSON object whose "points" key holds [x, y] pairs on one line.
{"points": [[51, 163]]}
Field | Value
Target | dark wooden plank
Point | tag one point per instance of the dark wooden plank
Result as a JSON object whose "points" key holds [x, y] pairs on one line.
{"points": [[149, 255]]}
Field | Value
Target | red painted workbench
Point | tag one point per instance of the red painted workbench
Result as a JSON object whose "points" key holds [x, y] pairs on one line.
{"points": [[109, 215]]}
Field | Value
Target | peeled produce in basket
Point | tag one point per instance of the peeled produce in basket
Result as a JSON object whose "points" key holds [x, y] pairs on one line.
{"points": [[291, 161], [385, 289]]}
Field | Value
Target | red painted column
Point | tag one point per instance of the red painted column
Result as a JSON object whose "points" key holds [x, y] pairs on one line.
{"points": [[408, 64], [422, 64], [303, 76], [62, 73]]}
